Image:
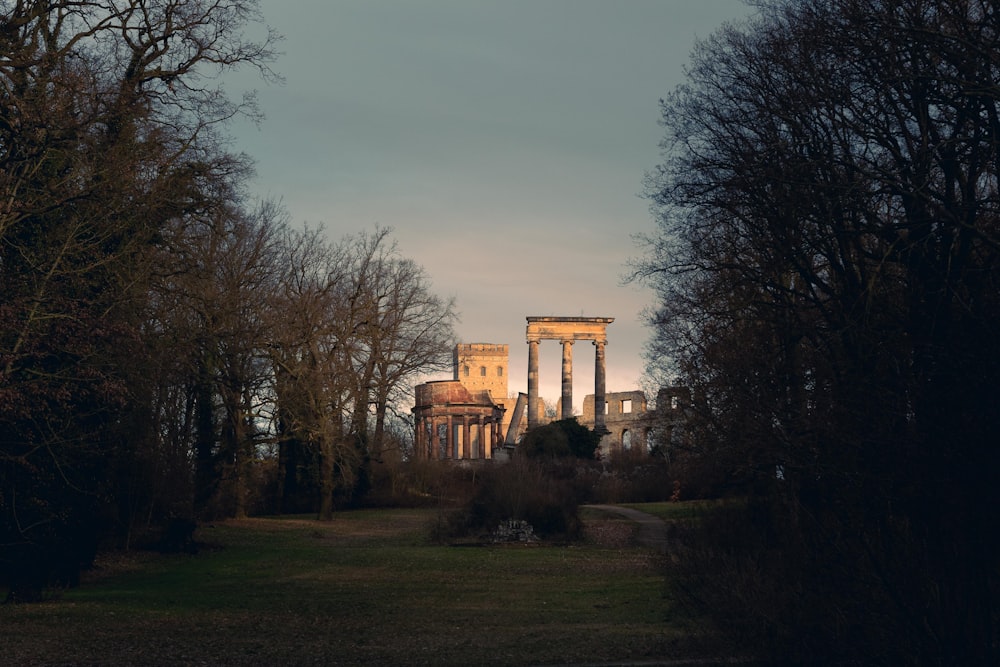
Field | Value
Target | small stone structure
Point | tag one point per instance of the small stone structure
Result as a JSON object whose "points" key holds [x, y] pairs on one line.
{"points": [[514, 530], [451, 422]]}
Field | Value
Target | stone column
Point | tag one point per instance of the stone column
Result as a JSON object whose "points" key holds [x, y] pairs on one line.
{"points": [[599, 375], [488, 442], [420, 444], [532, 384], [567, 379], [432, 444], [466, 440], [449, 439], [479, 435], [426, 437]]}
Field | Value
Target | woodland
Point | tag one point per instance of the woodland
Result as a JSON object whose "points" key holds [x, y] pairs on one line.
{"points": [[172, 350], [826, 280], [827, 269]]}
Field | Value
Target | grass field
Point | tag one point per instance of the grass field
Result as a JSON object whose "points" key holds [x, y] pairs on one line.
{"points": [[679, 511], [368, 587]]}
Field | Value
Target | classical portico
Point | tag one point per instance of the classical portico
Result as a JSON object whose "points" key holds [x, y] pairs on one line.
{"points": [[567, 330]]}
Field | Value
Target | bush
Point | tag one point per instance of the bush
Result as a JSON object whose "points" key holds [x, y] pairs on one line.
{"points": [[563, 438], [520, 489], [633, 476], [751, 568], [31, 570], [422, 483]]}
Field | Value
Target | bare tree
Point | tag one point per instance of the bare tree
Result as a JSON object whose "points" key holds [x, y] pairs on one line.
{"points": [[109, 124], [353, 322], [312, 373], [401, 329], [218, 271], [827, 272]]}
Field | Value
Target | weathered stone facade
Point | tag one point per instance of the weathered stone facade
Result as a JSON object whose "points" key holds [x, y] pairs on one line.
{"points": [[630, 424], [567, 330], [627, 421], [480, 366], [673, 414], [483, 367], [452, 422], [469, 416]]}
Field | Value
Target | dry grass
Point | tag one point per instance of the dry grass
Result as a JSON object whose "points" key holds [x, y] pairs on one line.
{"points": [[612, 533], [366, 588]]}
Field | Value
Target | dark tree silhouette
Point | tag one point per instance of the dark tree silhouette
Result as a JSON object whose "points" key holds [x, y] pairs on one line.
{"points": [[562, 438], [108, 117], [827, 266], [353, 321]]}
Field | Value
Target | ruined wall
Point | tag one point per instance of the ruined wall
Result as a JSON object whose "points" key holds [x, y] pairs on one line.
{"points": [[478, 396], [626, 418], [673, 410]]}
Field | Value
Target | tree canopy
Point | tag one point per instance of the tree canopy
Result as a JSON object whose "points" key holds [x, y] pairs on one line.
{"points": [[827, 270], [169, 348], [562, 438]]}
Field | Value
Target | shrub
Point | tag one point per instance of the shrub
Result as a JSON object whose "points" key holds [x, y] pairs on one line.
{"points": [[519, 489], [633, 476], [751, 569], [566, 437]]}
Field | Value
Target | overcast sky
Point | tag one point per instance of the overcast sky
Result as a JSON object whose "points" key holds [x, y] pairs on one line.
{"points": [[505, 142]]}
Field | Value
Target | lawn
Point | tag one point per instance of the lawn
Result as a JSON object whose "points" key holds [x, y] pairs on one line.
{"points": [[368, 587], [680, 511]]}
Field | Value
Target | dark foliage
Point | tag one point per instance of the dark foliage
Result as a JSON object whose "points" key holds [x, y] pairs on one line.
{"points": [[631, 477], [167, 347], [106, 142], [177, 536], [828, 272], [566, 437], [522, 489]]}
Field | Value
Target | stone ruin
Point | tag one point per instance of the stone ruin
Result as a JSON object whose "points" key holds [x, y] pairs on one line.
{"points": [[514, 530], [470, 417]]}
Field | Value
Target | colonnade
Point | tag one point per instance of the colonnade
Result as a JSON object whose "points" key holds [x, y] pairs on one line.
{"points": [[448, 405], [568, 330], [458, 440]]}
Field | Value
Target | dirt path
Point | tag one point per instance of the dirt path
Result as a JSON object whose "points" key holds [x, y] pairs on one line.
{"points": [[652, 530]]}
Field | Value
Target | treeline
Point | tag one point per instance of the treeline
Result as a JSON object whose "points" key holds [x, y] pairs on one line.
{"points": [[169, 348], [828, 279]]}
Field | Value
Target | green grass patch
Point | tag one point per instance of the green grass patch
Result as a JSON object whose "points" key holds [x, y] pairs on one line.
{"points": [[368, 587], [684, 510]]}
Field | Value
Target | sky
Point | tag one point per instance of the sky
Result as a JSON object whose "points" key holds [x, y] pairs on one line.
{"points": [[505, 143]]}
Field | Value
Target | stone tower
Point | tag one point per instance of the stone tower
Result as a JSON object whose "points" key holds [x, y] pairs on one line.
{"points": [[480, 366]]}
